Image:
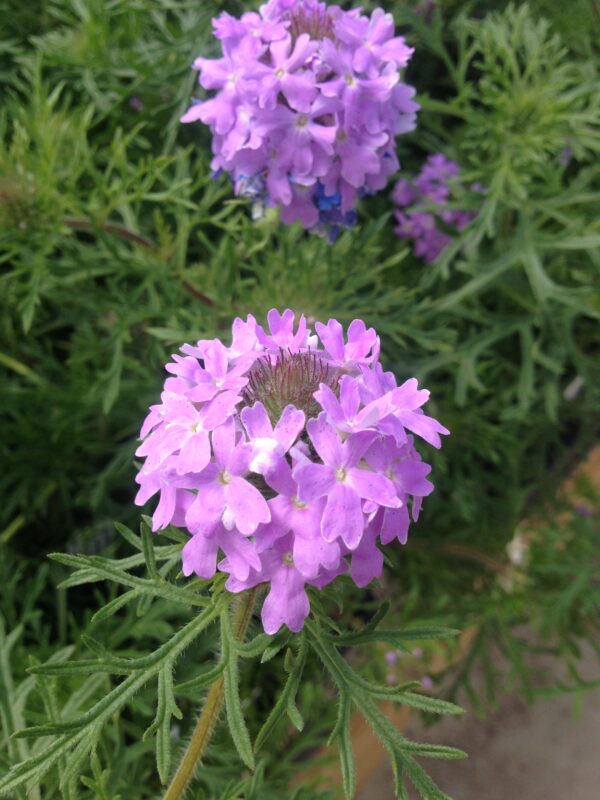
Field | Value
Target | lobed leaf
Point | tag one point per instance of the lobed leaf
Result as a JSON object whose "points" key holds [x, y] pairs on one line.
{"points": [[233, 706]]}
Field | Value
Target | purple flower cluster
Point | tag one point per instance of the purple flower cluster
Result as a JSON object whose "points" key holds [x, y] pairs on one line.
{"points": [[425, 200], [290, 454], [307, 106]]}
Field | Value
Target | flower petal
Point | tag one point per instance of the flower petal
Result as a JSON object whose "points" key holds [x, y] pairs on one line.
{"points": [[289, 426], [314, 480], [256, 421], [325, 440], [371, 486], [343, 517], [287, 601], [248, 506], [199, 556]]}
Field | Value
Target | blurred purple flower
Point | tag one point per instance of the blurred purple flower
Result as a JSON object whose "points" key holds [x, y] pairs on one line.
{"points": [[426, 9], [424, 203], [307, 107], [136, 103]]}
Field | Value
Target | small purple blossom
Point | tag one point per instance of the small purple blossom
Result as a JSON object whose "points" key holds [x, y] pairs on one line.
{"points": [[427, 683], [307, 107], [565, 156], [424, 206], [583, 510], [136, 103], [288, 457], [426, 9]]}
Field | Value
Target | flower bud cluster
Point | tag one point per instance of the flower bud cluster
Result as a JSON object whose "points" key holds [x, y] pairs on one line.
{"points": [[424, 201], [307, 107], [288, 457]]}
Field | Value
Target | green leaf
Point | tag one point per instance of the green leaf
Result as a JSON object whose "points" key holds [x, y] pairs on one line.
{"points": [[398, 769], [255, 646], [287, 697], [129, 536], [431, 704], [364, 694], [85, 667], [166, 708], [201, 681], [272, 650], [98, 569], [114, 605], [82, 728], [148, 550], [94, 645], [294, 714], [233, 706], [79, 756], [422, 782], [394, 637], [345, 747], [393, 740], [112, 377]]}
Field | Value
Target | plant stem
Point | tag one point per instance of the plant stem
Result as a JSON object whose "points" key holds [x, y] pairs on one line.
{"points": [[209, 716], [84, 224]]}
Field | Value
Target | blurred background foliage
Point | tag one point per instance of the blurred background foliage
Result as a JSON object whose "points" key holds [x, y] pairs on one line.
{"points": [[116, 246]]}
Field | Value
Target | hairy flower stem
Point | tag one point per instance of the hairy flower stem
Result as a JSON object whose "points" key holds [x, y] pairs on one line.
{"points": [[209, 716]]}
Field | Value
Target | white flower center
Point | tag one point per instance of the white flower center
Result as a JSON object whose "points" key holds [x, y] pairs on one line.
{"points": [[264, 454], [340, 474], [225, 477]]}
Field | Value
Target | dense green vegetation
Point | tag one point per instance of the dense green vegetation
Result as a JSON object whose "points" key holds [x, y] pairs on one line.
{"points": [[116, 246]]}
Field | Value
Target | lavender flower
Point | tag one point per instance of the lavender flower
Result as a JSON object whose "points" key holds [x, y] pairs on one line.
{"points": [[136, 103], [426, 9], [290, 454], [425, 200], [307, 106]]}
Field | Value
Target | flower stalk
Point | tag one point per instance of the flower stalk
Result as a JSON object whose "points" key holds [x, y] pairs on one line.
{"points": [[209, 716]]}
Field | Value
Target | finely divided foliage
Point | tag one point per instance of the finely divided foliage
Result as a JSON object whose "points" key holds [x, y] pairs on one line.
{"points": [[72, 734], [117, 244]]}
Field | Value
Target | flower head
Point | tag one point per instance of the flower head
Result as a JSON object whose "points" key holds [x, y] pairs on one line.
{"points": [[423, 204], [307, 106], [290, 454]]}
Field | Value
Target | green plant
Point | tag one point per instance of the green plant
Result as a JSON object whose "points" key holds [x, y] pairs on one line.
{"points": [[116, 246], [56, 766]]}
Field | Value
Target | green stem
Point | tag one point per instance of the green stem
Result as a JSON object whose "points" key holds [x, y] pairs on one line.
{"points": [[209, 716]]}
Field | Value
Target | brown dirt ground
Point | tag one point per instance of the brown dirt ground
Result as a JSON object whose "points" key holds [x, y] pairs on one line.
{"points": [[548, 751]]}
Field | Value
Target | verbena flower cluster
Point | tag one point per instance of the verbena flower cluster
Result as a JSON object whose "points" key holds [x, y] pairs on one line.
{"points": [[288, 453], [425, 200], [308, 103]]}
